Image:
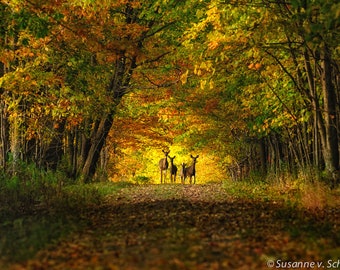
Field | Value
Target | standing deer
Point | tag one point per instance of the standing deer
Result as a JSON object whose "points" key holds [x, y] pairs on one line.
{"points": [[173, 170], [163, 165], [182, 173], [191, 170]]}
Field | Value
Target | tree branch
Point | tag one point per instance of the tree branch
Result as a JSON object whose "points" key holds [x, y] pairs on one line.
{"points": [[166, 84]]}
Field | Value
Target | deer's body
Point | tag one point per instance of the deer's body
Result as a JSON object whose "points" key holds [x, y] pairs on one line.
{"points": [[191, 170], [182, 173], [163, 165], [173, 170]]}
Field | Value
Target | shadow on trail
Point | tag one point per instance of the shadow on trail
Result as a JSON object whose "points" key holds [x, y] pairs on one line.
{"points": [[182, 234], [192, 234]]}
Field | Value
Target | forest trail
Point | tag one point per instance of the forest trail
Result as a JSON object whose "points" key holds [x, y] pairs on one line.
{"points": [[196, 227]]}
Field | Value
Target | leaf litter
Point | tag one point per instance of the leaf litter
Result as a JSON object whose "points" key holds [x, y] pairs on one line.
{"points": [[187, 227]]}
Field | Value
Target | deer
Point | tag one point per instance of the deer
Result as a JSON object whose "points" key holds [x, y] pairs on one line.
{"points": [[163, 165], [182, 173], [173, 170], [191, 170]]}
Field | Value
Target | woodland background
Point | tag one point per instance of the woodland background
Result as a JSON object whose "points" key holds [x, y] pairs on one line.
{"points": [[94, 90], [91, 92]]}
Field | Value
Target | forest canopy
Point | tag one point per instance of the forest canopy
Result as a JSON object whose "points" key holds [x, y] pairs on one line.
{"points": [[92, 88]]}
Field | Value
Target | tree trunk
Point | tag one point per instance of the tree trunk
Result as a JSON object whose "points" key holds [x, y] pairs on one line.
{"points": [[315, 105], [72, 148], [4, 127], [263, 156], [4, 136], [97, 143], [117, 88], [15, 143], [330, 140]]}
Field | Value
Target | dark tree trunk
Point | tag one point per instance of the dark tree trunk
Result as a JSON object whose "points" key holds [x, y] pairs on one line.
{"points": [[4, 126], [98, 139], [4, 136], [330, 140], [54, 151], [117, 88], [263, 156], [72, 148]]}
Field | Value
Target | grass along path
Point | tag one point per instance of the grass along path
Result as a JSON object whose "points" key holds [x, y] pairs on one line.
{"points": [[193, 227]]}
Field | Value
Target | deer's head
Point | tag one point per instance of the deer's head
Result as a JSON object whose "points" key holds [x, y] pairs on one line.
{"points": [[172, 158], [194, 159]]}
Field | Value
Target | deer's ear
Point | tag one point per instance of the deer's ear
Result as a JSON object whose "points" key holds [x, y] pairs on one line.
{"points": [[174, 156], [197, 156]]}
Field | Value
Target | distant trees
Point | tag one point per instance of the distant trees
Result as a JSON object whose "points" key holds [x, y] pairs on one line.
{"points": [[274, 69]]}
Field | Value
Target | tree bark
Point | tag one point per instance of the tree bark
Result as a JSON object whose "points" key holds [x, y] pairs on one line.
{"points": [[54, 151], [97, 142], [4, 127], [4, 136], [117, 88], [330, 140]]}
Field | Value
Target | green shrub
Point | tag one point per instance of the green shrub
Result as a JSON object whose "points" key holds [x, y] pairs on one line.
{"points": [[38, 207], [140, 179]]}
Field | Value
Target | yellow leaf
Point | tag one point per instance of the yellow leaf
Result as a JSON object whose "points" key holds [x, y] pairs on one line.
{"points": [[202, 84], [211, 85], [184, 77], [213, 45]]}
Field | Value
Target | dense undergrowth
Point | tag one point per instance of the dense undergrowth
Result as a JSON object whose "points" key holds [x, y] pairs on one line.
{"points": [[39, 207], [306, 190]]}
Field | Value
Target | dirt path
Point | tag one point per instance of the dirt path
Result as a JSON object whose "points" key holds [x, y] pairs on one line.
{"points": [[190, 227]]}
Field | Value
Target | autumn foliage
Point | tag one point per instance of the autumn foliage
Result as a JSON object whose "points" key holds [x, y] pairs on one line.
{"points": [[88, 86], [91, 92]]}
